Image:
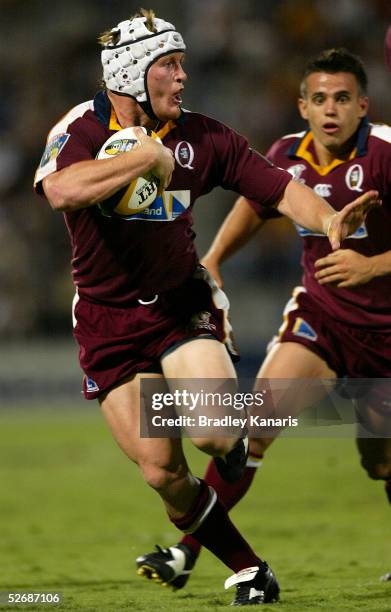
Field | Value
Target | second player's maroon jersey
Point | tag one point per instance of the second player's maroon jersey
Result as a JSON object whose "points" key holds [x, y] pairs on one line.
{"points": [[369, 167], [115, 260]]}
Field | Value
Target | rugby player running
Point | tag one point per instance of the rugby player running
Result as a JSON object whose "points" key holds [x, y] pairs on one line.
{"points": [[338, 323], [144, 307]]}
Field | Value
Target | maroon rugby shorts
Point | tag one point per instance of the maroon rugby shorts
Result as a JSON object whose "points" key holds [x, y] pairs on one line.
{"points": [[116, 343], [354, 352]]}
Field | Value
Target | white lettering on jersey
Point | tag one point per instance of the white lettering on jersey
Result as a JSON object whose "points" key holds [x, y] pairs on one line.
{"points": [[323, 189], [354, 177]]}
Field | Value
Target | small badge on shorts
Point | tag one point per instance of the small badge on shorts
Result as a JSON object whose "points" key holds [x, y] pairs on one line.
{"points": [[304, 330], [91, 385]]}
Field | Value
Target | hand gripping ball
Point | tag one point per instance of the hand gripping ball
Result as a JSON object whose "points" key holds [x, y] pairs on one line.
{"points": [[142, 191]]}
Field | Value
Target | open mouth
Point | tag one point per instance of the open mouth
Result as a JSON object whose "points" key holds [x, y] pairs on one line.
{"points": [[330, 128]]}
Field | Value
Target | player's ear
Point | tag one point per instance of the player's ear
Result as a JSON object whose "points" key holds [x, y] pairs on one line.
{"points": [[364, 105], [302, 105]]}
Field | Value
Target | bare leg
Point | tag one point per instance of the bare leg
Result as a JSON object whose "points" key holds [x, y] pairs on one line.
{"points": [[203, 365], [291, 360], [161, 460], [286, 360]]}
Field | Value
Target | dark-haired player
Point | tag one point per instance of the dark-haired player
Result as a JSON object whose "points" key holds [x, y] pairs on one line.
{"points": [[338, 323], [144, 307]]}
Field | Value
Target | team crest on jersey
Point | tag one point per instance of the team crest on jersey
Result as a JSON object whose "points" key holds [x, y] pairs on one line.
{"points": [[304, 330], [296, 171], [354, 177], [184, 154], [53, 148], [201, 320]]}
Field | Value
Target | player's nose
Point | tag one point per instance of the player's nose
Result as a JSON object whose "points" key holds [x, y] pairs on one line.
{"points": [[181, 75], [330, 107]]}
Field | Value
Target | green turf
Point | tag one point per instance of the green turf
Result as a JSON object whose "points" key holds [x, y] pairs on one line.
{"points": [[74, 514]]}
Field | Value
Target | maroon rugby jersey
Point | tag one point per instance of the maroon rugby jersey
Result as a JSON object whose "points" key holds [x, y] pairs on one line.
{"points": [[369, 167], [115, 260]]}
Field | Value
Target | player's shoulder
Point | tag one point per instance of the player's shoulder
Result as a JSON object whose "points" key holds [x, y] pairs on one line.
{"points": [[284, 144], [380, 131], [199, 119], [288, 139], [77, 112], [209, 134], [207, 123]]}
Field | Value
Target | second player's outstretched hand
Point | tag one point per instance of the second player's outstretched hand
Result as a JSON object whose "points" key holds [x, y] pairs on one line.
{"points": [[347, 220]]}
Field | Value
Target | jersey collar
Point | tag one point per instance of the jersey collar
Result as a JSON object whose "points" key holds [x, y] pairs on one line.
{"points": [[302, 148], [106, 115], [102, 108]]}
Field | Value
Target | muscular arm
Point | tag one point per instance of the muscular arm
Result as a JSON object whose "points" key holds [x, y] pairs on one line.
{"points": [[299, 203], [347, 268], [305, 208], [237, 229], [85, 183]]}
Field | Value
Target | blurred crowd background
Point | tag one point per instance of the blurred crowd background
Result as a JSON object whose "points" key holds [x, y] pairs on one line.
{"points": [[245, 61]]}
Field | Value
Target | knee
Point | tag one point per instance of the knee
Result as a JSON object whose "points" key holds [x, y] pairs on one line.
{"points": [[215, 446], [160, 477]]}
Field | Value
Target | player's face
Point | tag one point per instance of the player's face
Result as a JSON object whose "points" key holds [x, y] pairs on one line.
{"points": [[166, 79], [333, 108]]}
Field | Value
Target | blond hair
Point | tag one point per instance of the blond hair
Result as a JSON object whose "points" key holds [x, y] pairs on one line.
{"points": [[110, 37]]}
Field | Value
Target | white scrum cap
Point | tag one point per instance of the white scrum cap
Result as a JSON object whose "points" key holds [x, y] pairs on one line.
{"points": [[127, 60]]}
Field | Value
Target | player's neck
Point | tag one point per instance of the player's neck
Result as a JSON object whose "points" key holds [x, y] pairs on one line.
{"points": [[129, 113], [326, 156]]}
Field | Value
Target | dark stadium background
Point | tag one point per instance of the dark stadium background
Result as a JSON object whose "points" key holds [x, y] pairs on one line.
{"points": [[74, 513], [244, 64]]}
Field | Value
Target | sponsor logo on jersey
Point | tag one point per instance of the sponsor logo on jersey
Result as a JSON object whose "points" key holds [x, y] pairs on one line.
{"points": [[53, 148], [184, 154], [323, 189], [167, 207], [296, 171], [304, 330], [201, 320], [354, 177], [91, 385], [361, 232]]}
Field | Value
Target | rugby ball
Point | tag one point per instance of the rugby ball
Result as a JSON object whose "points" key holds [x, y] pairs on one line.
{"points": [[142, 191]]}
